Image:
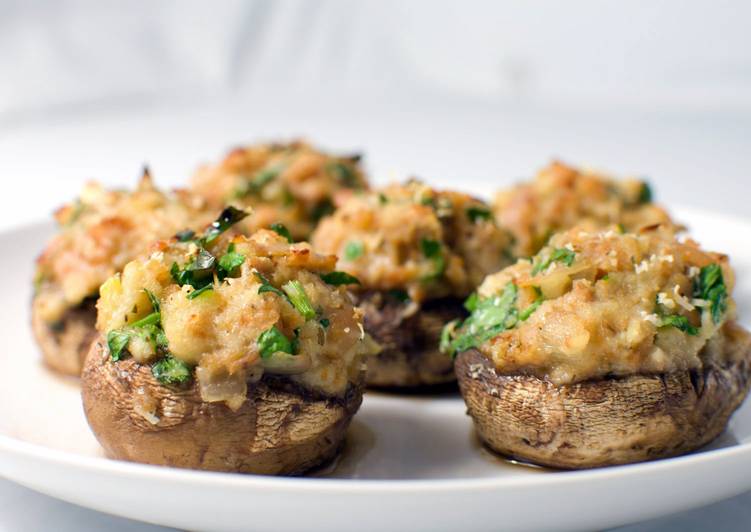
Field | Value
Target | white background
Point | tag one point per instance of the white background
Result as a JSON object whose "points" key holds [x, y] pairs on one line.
{"points": [[472, 95]]}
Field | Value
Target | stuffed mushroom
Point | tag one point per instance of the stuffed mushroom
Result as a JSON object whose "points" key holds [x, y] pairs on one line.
{"points": [[414, 254], [226, 353], [606, 348], [561, 197], [288, 185], [99, 233]]}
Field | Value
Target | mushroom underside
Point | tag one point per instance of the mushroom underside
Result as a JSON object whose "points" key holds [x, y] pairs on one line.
{"points": [[65, 343], [281, 429], [600, 422], [409, 338]]}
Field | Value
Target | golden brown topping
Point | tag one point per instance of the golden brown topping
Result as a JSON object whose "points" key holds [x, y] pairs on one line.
{"points": [[561, 197], [234, 308], [292, 184], [591, 304], [100, 233], [415, 239]]}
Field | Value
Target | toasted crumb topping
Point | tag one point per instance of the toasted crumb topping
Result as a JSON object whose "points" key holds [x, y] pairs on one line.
{"points": [[228, 310], [561, 197], [290, 184], [598, 303], [101, 232], [414, 240]]}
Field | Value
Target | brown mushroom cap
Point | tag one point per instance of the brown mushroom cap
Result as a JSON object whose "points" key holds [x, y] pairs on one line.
{"points": [[409, 338], [281, 429], [65, 344], [606, 421]]}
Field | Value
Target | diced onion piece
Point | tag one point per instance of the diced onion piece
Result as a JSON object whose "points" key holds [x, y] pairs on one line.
{"points": [[286, 364], [214, 388]]}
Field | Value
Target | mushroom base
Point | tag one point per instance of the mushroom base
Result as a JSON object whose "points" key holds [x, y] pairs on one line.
{"points": [[281, 429], [64, 345], [409, 337], [601, 422]]}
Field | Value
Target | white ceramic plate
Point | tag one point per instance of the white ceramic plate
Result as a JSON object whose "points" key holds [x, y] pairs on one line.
{"points": [[411, 463]]}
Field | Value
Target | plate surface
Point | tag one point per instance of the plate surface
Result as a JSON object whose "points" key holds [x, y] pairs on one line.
{"points": [[410, 462]]}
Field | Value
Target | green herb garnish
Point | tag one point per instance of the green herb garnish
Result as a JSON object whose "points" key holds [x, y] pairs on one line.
{"points": [[343, 173], [257, 182], [117, 341], [562, 255], [478, 213], [679, 322], [527, 312], [338, 278], [353, 250], [229, 262], [266, 286], [185, 236], [299, 299], [153, 300], [645, 193], [281, 229], [195, 293], [710, 286], [433, 250], [490, 317], [325, 322], [170, 370], [273, 341], [471, 302], [227, 218], [400, 295]]}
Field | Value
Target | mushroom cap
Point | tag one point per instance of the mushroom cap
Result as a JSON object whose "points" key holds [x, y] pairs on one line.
{"points": [[409, 337], [281, 429], [606, 421], [65, 344]]}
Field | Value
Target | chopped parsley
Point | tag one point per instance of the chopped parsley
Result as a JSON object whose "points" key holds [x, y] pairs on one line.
{"points": [[266, 286], [400, 295], [273, 341], [343, 173], [195, 293], [200, 272], [227, 218], [299, 299], [382, 199], [229, 262], [153, 300], [471, 302], [257, 182], [490, 316], [679, 322], [527, 312], [645, 193], [170, 370], [185, 236], [325, 322], [117, 341], [338, 278], [709, 285], [477, 213], [148, 328], [562, 255], [353, 250], [281, 230], [433, 251]]}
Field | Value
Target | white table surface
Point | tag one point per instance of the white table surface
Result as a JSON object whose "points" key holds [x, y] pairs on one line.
{"points": [[699, 158]]}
